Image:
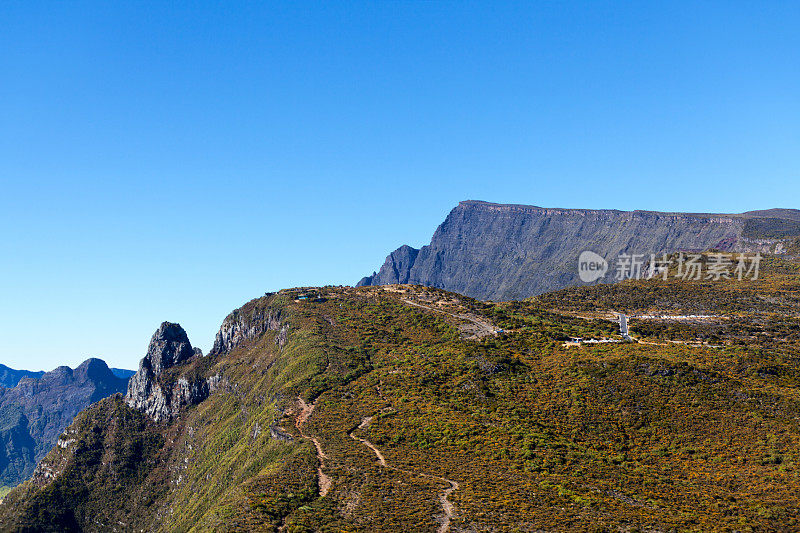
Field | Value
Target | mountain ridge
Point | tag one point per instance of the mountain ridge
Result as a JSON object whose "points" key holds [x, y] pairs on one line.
{"points": [[37, 409], [512, 251], [776, 212], [9, 377], [382, 409]]}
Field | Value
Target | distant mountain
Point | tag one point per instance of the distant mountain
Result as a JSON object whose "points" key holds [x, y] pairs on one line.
{"points": [[123, 373], [10, 377], [505, 252], [35, 412]]}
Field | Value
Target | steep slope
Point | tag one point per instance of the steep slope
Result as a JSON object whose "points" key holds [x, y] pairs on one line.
{"points": [[35, 412], [157, 391], [10, 377], [505, 252], [406, 408]]}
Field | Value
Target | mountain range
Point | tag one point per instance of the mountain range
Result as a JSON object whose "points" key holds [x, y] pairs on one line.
{"points": [[404, 405], [10, 377], [36, 408], [408, 408], [505, 252]]}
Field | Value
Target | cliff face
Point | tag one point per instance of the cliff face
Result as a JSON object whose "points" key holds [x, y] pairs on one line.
{"points": [[36, 411], [160, 393], [169, 376], [503, 252], [247, 323]]}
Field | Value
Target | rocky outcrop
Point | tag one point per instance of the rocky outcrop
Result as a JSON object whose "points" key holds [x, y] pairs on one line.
{"points": [[168, 347], [155, 390], [248, 323], [37, 409], [503, 252], [396, 267]]}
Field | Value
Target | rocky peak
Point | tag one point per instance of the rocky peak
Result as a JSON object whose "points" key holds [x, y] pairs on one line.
{"points": [[93, 369], [247, 323], [169, 346], [398, 265]]}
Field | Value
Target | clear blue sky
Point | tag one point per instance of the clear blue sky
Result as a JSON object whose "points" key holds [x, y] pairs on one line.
{"points": [[172, 160]]}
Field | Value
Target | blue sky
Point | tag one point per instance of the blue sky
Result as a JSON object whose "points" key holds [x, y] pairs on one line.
{"points": [[170, 161]]}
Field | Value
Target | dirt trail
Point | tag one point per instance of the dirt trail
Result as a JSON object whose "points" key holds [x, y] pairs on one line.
{"points": [[484, 327], [364, 423], [447, 505], [325, 481]]}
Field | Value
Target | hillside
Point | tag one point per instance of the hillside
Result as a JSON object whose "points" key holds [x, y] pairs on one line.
{"points": [[35, 412], [506, 252], [406, 408]]}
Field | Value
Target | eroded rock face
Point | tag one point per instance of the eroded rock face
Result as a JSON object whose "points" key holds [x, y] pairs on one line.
{"points": [[150, 393], [504, 252], [169, 346], [243, 325]]}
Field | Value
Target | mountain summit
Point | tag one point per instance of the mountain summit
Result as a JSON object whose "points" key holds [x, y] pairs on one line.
{"points": [[154, 389], [37, 409], [508, 251]]}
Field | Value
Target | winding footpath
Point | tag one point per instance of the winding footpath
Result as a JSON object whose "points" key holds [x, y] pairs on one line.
{"points": [[447, 505], [325, 481]]}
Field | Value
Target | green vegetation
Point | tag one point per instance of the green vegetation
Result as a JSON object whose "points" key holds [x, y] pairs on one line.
{"points": [[662, 435], [770, 228]]}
